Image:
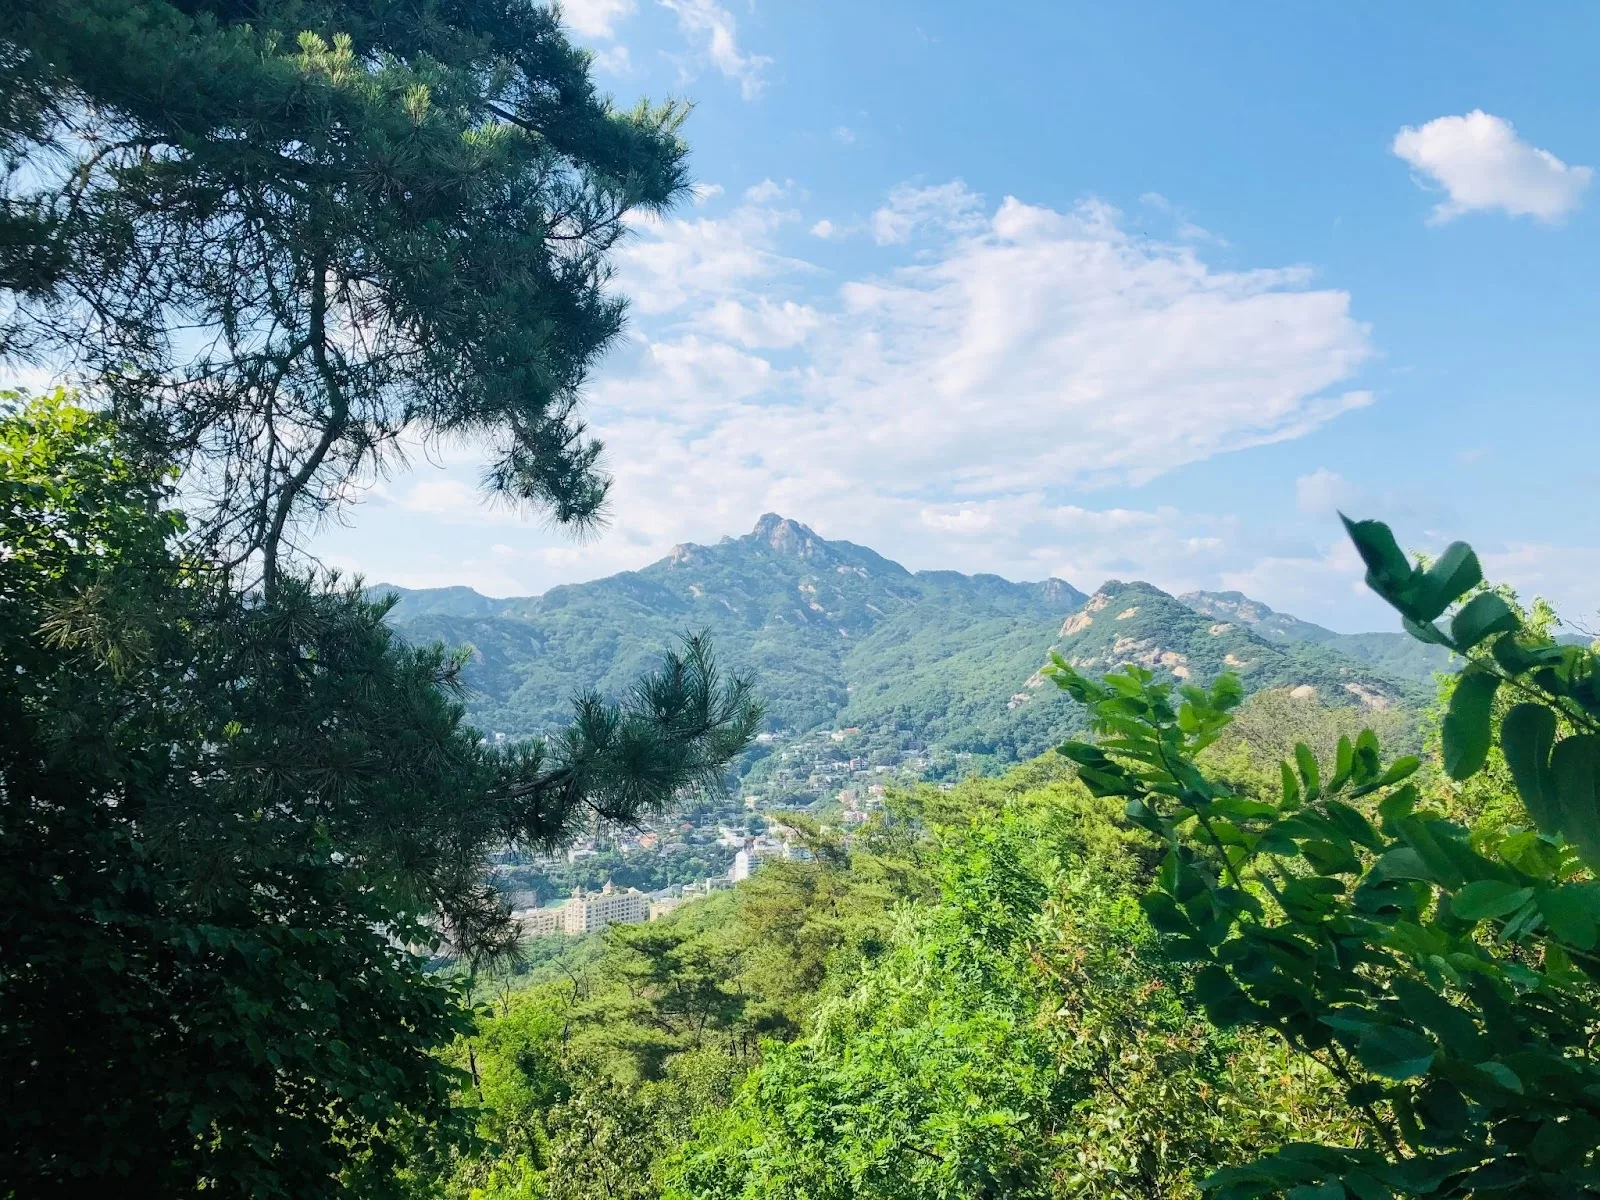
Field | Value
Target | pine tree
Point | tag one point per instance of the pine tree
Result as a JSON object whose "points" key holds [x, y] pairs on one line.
{"points": [[278, 236], [230, 833]]}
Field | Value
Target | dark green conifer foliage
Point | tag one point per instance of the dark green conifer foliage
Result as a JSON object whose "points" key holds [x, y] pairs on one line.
{"points": [[226, 826], [279, 235]]}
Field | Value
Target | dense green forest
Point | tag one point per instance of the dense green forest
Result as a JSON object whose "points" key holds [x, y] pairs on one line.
{"points": [[964, 1000], [1256, 910]]}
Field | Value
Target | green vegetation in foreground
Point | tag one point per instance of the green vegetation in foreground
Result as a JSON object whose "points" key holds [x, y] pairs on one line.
{"points": [[276, 241], [1293, 972], [1444, 973], [230, 826], [967, 997], [237, 812]]}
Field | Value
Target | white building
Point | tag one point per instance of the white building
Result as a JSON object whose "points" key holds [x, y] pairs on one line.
{"points": [[744, 862], [588, 913], [539, 922], [660, 908]]}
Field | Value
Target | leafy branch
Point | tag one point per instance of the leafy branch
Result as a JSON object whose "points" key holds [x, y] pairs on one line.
{"points": [[1445, 976]]}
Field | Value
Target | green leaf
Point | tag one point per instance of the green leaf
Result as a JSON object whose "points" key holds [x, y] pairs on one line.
{"points": [[1443, 1108], [1452, 1024], [1165, 914], [1389, 571], [1330, 858], [1307, 762], [1526, 736], [1398, 803], [1571, 912], [1488, 898], [1502, 1075], [1452, 575], [1344, 762], [1395, 1052], [1417, 832], [1485, 615], [1225, 1003], [1466, 729], [1353, 825], [1364, 1187], [1291, 788], [1425, 631], [1330, 1189], [1401, 768], [1400, 863], [1575, 768]]}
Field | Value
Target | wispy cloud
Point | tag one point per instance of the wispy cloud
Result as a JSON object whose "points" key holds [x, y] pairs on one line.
{"points": [[1322, 493], [614, 60], [944, 409], [711, 30], [943, 208], [960, 408]]}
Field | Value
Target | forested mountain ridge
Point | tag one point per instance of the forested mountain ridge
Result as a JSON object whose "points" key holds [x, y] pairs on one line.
{"points": [[1138, 623], [837, 635], [1397, 653], [812, 617]]}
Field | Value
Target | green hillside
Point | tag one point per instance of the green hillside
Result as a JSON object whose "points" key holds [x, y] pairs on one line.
{"points": [[833, 630], [1134, 622], [1398, 654], [839, 636]]}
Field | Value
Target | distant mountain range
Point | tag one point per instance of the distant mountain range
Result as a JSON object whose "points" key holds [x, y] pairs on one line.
{"points": [[1399, 654], [837, 635]]}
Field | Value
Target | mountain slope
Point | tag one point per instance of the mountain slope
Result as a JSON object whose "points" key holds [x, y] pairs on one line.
{"points": [[1397, 654], [1134, 622], [794, 609], [838, 636]]}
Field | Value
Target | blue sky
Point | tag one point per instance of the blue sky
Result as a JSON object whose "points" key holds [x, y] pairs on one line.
{"points": [[1138, 291]]}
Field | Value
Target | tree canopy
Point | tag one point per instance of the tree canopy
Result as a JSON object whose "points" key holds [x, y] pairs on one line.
{"points": [[233, 831], [283, 239]]}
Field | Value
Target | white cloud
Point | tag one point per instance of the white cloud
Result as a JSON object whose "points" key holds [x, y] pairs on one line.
{"points": [[702, 193], [763, 324], [910, 210], [1322, 493], [711, 28], [956, 410], [614, 60], [1322, 583], [765, 192], [1567, 576], [1481, 164], [455, 501], [672, 264], [943, 410], [822, 229], [845, 134], [596, 18]]}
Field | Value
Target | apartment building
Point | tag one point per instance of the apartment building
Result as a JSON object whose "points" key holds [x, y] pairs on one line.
{"points": [[538, 922], [609, 906]]}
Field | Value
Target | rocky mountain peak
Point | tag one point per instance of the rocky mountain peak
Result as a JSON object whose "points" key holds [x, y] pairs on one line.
{"points": [[1230, 604], [787, 536]]}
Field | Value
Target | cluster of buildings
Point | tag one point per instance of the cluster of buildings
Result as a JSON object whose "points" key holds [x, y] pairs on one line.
{"points": [[589, 912], [858, 802], [586, 912], [846, 784], [808, 769]]}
